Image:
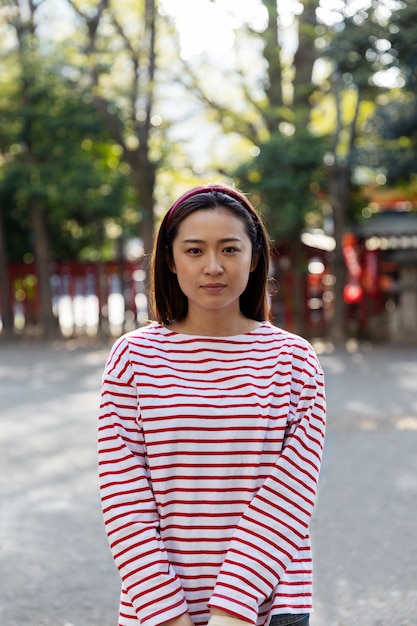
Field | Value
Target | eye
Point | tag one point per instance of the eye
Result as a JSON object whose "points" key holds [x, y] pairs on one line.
{"points": [[193, 251], [230, 250]]}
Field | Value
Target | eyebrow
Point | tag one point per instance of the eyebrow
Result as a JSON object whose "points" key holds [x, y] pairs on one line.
{"points": [[225, 240]]}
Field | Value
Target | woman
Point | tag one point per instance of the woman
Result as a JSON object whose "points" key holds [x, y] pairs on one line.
{"points": [[211, 433]]}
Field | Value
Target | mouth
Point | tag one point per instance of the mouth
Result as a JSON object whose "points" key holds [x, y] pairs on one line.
{"points": [[213, 287]]}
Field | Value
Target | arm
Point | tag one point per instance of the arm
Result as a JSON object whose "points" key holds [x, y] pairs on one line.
{"points": [[182, 620], [276, 522], [129, 509], [218, 617]]}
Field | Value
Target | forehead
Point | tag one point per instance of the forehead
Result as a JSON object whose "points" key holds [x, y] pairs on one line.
{"points": [[212, 219]]}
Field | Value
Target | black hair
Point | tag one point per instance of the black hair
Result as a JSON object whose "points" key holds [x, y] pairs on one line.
{"points": [[168, 301]]}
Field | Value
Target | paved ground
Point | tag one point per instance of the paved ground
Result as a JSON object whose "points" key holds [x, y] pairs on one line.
{"points": [[365, 524], [55, 567]]}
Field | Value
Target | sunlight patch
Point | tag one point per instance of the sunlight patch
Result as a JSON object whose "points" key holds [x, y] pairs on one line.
{"points": [[406, 423]]}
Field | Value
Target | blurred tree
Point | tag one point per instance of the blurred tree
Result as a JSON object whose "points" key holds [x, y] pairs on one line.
{"points": [[261, 94], [273, 113], [23, 25], [288, 173], [285, 180], [329, 87], [357, 50], [74, 173], [60, 176], [394, 125], [5, 300], [116, 65]]}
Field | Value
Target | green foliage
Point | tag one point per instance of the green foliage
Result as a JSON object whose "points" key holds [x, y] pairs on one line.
{"points": [[54, 148], [404, 43], [394, 125], [287, 178], [396, 148], [355, 48], [57, 152], [398, 118]]}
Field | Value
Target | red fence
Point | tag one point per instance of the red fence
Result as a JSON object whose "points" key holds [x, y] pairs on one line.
{"points": [[110, 297], [88, 297], [85, 296]]}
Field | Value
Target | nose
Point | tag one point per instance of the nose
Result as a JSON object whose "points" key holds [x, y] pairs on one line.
{"points": [[213, 265]]}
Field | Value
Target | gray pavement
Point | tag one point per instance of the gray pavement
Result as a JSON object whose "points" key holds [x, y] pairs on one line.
{"points": [[365, 523], [55, 566]]}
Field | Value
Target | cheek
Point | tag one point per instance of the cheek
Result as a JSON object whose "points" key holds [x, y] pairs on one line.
{"points": [[178, 264], [181, 270]]}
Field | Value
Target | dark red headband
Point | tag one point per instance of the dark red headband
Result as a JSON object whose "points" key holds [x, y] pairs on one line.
{"points": [[207, 189]]}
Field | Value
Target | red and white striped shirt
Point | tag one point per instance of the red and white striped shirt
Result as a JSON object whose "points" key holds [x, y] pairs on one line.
{"points": [[209, 456]]}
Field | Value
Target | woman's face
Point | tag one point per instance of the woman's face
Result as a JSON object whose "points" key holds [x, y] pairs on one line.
{"points": [[212, 258]]}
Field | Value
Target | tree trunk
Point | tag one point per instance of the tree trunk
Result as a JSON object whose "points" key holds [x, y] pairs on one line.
{"points": [[144, 180], [6, 304], [272, 54], [48, 322], [304, 60], [142, 168], [299, 262], [339, 192]]}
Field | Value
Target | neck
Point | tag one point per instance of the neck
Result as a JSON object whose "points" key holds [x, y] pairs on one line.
{"points": [[214, 325]]}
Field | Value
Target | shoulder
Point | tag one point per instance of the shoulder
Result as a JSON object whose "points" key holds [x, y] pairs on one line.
{"points": [[298, 348], [138, 340]]}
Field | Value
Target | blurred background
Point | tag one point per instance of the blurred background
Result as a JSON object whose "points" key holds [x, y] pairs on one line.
{"points": [[110, 110]]}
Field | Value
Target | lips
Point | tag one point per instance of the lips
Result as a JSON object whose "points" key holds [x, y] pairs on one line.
{"points": [[213, 287]]}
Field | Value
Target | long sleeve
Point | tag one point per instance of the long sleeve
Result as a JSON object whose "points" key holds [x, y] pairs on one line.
{"points": [[209, 456], [129, 509], [276, 522]]}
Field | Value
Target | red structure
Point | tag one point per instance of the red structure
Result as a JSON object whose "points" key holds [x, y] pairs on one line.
{"points": [[380, 291], [86, 296]]}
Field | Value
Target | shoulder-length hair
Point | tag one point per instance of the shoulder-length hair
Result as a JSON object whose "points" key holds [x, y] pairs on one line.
{"points": [[168, 302]]}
